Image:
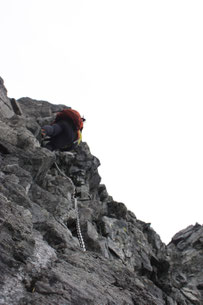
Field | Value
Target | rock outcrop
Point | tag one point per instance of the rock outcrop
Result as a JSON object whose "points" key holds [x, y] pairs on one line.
{"points": [[41, 260], [5, 103]]}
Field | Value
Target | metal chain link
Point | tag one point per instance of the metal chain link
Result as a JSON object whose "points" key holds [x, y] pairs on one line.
{"points": [[80, 238], [79, 233]]}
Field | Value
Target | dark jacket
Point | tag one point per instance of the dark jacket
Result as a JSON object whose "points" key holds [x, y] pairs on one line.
{"points": [[62, 135]]}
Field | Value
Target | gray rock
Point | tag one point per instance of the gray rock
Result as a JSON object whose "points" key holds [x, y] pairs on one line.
{"points": [[6, 109], [41, 261], [186, 250], [16, 107]]}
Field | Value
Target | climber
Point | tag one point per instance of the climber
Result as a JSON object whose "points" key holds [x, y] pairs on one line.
{"points": [[65, 133]]}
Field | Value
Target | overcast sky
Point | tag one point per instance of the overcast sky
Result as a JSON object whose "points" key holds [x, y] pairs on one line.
{"points": [[134, 69]]}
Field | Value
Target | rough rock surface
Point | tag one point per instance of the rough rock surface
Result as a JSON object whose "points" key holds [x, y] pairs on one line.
{"points": [[41, 261], [5, 104]]}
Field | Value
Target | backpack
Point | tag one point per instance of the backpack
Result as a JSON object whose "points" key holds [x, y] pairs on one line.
{"points": [[75, 117]]}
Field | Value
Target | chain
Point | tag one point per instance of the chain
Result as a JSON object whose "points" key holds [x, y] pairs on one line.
{"points": [[80, 238], [79, 233]]}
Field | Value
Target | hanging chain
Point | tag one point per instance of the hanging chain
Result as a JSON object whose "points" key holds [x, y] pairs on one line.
{"points": [[80, 238], [79, 233]]}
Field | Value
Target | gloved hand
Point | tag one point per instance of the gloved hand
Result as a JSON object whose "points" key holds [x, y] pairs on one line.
{"points": [[43, 133]]}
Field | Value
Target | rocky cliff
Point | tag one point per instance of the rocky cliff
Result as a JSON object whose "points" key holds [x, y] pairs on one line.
{"points": [[41, 259]]}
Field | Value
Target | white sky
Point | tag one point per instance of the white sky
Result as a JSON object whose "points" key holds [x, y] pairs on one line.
{"points": [[134, 69]]}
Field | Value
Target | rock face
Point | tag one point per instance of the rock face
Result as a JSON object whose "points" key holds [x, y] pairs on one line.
{"points": [[41, 260], [5, 103]]}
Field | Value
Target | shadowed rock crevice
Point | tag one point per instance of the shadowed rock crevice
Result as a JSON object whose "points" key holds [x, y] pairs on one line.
{"points": [[3, 149], [41, 261]]}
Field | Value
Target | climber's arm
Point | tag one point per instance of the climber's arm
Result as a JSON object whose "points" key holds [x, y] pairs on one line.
{"points": [[51, 130]]}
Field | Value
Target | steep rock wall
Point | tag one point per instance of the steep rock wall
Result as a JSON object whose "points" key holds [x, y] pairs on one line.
{"points": [[5, 103], [41, 260]]}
